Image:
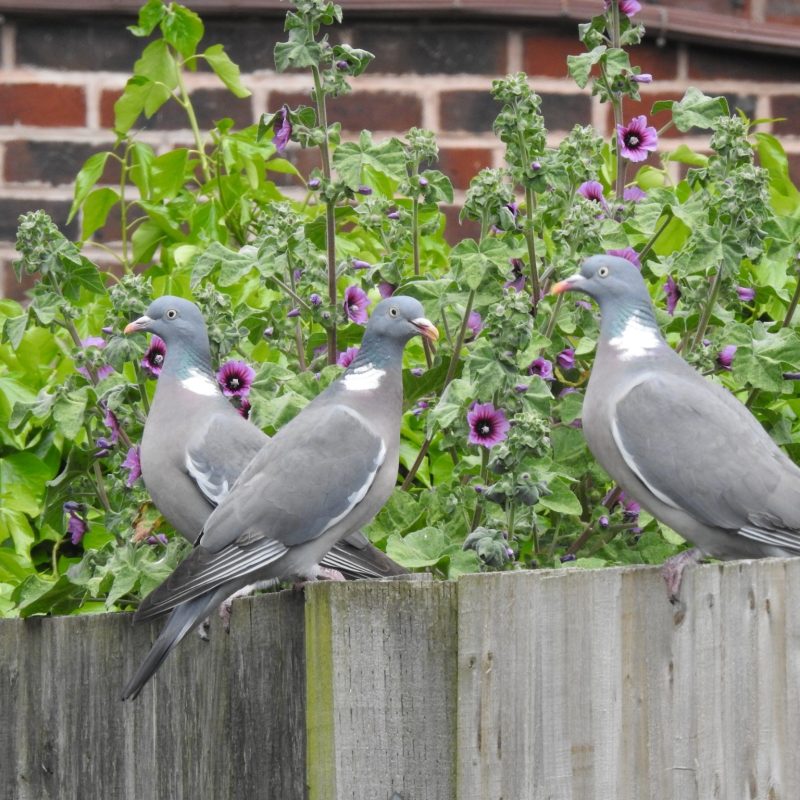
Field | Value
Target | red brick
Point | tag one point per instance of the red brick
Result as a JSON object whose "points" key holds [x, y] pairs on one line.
{"points": [[42, 104], [13, 288], [461, 164], [794, 167], [378, 111], [467, 111], [56, 163], [12, 207], [454, 230], [783, 11], [787, 106], [730, 8], [716, 62]]}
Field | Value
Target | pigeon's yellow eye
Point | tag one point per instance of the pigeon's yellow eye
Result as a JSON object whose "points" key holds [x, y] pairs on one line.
{"points": [[392, 312], [172, 313], [602, 272]]}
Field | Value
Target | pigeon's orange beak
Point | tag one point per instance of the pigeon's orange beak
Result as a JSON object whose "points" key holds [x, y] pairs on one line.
{"points": [[426, 328], [138, 325], [573, 282]]}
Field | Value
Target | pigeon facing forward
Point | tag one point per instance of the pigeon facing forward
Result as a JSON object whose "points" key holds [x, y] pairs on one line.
{"points": [[195, 443], [683, 446], [323, 476]]}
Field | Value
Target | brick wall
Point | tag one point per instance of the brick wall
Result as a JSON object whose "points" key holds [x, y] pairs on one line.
{"points": [[60, 75]]}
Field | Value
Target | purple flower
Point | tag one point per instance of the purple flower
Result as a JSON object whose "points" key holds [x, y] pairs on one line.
{"points": [[673, 294], [314, 183], [633, 194], [746, 293], [593, 190], [474, 325], [342, 64], [644, 77], [636, 138], [585, 304], [421, 406], [244, 407], [567, 390], [488, 425], [292, 313], [517, 281], [627, 7], [541, 367], [536, 166], [417, 372], [315, 300], [235, 378], [345, 358], [365, 190], [76, 524], [393, 215], [269, 331], [111, 422], [423, 182], [521, 388], [568, 557], [603, 521], [791, 376], [282, 128], [386, 289], [566, 358], [107, 329], [355, 304], [133, 465], [725, 356], [104, 370], [153, 359], [359, 264], [159, 538], [103, 447], [629, 254], [630, 510]]}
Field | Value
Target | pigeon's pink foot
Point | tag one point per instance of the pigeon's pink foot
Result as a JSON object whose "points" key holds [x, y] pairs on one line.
{"points": [[672, 571], [328, 574], [202, 630], [245, 591]]}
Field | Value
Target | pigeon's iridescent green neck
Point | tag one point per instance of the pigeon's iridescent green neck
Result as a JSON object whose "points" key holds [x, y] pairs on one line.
{"points": [[186, 358], [617, 315], [380, 351]]}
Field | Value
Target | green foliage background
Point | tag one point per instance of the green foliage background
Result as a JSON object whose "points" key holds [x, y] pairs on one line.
{"points": [[209, 223]]}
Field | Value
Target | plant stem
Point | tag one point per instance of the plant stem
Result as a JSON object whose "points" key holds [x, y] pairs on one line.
{"points": [[330, 214], [709, 308], [142, 389], [198, 139], [661, 228], [616, 101], [290, 292], [476, 517], [530, 240], [298, 328], [581, 540], [787, 320], [423, 451], [123, 208], [551, 323]]}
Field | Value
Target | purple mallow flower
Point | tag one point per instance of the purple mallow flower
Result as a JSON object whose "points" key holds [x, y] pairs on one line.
{"points": [[345, 358], [235, 378], [725, 356], [76, 523], [159, 538], [536, 166], [566, 358], [423, 182], [541, 367], [341, 64], [393, 215], [629, 254], [517, 281], [103, 447], [359, 264], [636, 138], [634, 194], [627, 7], [421, 406], [355, 304], [244, 407], [603, 521], [282, 128], [111, 422], [153, 359], [746, 293], [386, 289], [673, 294], [593, 190], [133, 465], [474, 325], [488, 425]]}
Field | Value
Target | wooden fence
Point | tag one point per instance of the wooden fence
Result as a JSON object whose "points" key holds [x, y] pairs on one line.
{"points": [[564, 685]]}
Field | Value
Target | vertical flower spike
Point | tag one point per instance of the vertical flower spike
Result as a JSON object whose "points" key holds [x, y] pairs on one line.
{"points": [[355, 304], [282, 128], [153, 359], [133, 465], [488, 425], [636, 138], [235, 378]]}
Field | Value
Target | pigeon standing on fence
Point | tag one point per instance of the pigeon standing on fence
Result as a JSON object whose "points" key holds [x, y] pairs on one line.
{"points": [[683, 446], [323, 476], [195, 443]]}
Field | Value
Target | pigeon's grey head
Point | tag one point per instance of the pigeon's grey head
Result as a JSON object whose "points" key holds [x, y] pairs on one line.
{"points": [[174, 319], [610, 280], [400, 318]]}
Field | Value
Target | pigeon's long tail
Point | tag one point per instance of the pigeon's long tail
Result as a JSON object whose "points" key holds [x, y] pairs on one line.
{"points": [[181, 621], [358, 559]]}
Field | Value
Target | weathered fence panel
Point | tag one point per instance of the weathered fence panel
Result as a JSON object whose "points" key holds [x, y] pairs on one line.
{"points": [[559, 685]]}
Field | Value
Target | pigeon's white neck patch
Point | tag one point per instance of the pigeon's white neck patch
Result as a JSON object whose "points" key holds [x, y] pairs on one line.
{"points": [[198, 383], [636, 340], [362, 379]]}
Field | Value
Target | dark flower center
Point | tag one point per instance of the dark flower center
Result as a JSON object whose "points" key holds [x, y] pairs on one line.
{"points": [[633, 140], [484, 427], [234, 382], [157, 359]]}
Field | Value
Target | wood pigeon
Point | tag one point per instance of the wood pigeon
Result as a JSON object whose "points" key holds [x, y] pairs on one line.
{"points": [[196, 444], [323, 476], [680, 444]]}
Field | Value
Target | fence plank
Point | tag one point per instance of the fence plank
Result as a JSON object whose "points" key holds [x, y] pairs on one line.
{"points": [[381, 678]]}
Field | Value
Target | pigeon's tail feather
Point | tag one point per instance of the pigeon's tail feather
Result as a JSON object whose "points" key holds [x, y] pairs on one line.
{"points": [[355, 561], [183, 619]]}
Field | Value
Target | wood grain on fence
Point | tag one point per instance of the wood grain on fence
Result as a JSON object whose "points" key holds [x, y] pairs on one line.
{"points": [[564, 685]]}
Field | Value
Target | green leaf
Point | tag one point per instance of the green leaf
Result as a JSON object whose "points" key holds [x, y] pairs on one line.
{"points": [[695, 110], [183, 29], [23, 482], [96, 209], [422, 548], [14, 526], [561, 498], [37, 595], [226, 70], [150, 14], [300, 51], [69, 412], [142, 157], [360, 162], [580, 67], [90, 173], [14, 329], [168, 174], [683, 154]]}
